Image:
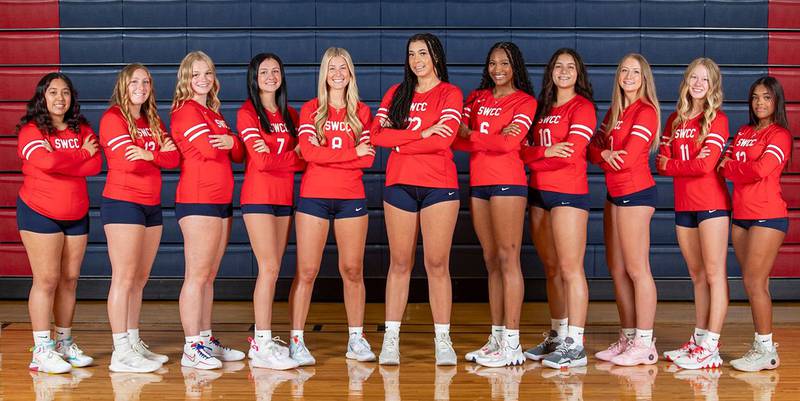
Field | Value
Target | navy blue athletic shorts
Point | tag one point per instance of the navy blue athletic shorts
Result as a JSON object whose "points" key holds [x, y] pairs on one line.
{"points": [[693, 219], [221, 210], [780, 224], [645, 197], [488, 191], [33, 221], [113, 211], [275, 210], [412, 198], [325, 208], [549, 199]]}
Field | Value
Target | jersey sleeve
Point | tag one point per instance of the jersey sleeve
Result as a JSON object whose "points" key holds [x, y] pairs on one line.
{"points": [[664, 146], [718, 134], [166, 159], [318, 154], [775, 155], [523, 117], [389, 137], [643, 131], [450, 116], [361, 162], [31, 148], [115, 138], [250, 132], [190, 125], [597, 144]]}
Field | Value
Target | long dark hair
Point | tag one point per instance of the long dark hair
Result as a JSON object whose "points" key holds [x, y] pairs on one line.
{"points": [[281, 96], [548, 95], [776, 90], [401, 100], [36, 110], [521, 79]]}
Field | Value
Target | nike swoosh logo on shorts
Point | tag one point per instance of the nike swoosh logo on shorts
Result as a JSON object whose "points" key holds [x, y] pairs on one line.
{"points": [[450, 193], [565, 203], [359, 209], [762, 221], [626, 201], [504, 189], [712, 211]]}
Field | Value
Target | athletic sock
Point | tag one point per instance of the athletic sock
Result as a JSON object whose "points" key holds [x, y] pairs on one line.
{"points": [[133, 336], [576, 333], [645, 336], [629, 333], [711, 341], [765, 339], [392, 326], [359, 331], [121, 341], [560, 327], [699, 335], [441, 329], [41, 337], [497, 332], [298, 334], [205, 336], [191, 339], [64, 334], [512, 338], [263, 336]]}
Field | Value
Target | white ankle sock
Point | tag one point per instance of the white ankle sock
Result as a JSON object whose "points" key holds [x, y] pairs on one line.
{"points": [[576, 333], [41, 337], [392, 325], [191, 339], [64, 334], [497, 332], [699, 335], [298, 334], [711, 341], [121, 341], [263, 336], [359, 331], [133, 336], [512, 338], [765, 339], [441, 328], [645, 336], [629, 333], [559, 326], [205, 336]]}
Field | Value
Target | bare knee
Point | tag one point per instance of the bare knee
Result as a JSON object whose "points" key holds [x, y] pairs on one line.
{"points": [[491, 260], [640, 274], [68, 281], [401, 267], [755, 286], [306, 274], [551, 270], [352, 272], [572, 271], [437, 267], [699, 277], [507, 254], [46, 282]]}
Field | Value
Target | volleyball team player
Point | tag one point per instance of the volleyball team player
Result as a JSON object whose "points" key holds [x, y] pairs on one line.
{"points": [[495, 120], [694, 138], [754, 163], [136, 147], [267, 127], [629, 132], [559, 203], [202, 203], [334, 136], [418, 120]]}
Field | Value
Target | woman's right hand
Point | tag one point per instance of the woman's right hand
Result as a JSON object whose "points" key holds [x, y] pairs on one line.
{"points": [[437, 129], [463, 131], [613, 158], [561, 149], [365, 148], [260, 146], [89, 144]]}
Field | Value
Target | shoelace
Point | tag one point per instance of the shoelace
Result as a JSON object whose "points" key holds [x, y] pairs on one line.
{"points": [[74, 349], [688, 346], [443, 342], [755, 352], [142, 344], [390, 341], [216, 343], [618, 345], [360, 345], [562, 348], [202, 350], [696, 350]]}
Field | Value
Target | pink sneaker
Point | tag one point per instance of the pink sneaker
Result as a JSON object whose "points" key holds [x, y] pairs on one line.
{"points": [[637, 353], [614, 349]]}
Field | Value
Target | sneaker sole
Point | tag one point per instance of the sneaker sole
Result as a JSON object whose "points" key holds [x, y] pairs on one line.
{"points": [[36, 368], [769, 367], [256, 363], [446, 363], [636, 363], [518, 362], [388, 362], [571, 364], [199, 365], [350, 355], [129, 369], [534, 357], [76, 364]]}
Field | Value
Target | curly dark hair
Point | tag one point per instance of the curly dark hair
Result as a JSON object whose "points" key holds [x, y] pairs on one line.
{"points": [[521, 79], [37, 112], [401, 100]]}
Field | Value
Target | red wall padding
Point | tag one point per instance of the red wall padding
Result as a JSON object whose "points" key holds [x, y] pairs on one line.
{"points": [[784, 14], [29, 14], [786, 263], [10, 114], [18, 83], [29, 48], [15, 260], [9, 189], [9, 161]]}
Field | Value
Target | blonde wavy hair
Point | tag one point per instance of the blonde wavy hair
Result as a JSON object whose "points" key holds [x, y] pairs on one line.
{"points": [[183, 88], [711, 103], [647, 92], [121, 98], [351, 96]]}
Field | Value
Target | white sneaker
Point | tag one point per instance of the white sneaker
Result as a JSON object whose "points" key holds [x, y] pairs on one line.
{"points": [[144, 350], [278, 342], [759, 357], [299, 352], [445, 354], [199, 356], [358, 348], [73, 354], [390, 350], [491, 345], [269, 356], [130, 361], [505, 356], [46, 359], [222, 352], [683, 350]]}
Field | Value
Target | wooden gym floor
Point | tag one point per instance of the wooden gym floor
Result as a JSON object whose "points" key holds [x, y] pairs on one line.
{"points": [[334, 378]]}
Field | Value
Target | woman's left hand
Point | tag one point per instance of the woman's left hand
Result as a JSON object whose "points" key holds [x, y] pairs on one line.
{"points": [[223, 142]]}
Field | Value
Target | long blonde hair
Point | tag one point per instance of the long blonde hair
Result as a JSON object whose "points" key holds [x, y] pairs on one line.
{"points": [[647, 92], [711, 104], [121, 98], [351, 96], [183, 87]]}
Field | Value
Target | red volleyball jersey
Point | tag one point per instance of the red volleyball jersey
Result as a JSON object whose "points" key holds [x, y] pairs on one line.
{"points": [[133, 181], [206, 174], [334, 168], [494, 157], [268, 177], [636, 129], [574, 122], [697, 184], [54, 183], [424, 162], [758, 161]]}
